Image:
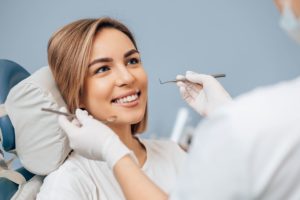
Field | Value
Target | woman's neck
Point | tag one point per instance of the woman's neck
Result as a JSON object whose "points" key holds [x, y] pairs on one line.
{"points": [[126, 136]]}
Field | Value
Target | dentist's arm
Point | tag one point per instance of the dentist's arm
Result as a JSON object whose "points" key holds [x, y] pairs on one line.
{"points": [[202, 92]]}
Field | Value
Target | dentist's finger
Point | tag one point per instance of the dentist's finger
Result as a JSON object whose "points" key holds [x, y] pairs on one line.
{"points": [[66, 125], [82, 116], [198, 78], [180, 77], [180, 84], [76, 122]]}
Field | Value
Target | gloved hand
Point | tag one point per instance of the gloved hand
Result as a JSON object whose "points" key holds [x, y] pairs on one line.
{"points": [[93, 139], [202, 92]]}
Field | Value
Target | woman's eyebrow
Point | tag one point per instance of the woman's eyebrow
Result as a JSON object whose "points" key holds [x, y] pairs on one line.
{"points": [[100, 60], [129, 53]]}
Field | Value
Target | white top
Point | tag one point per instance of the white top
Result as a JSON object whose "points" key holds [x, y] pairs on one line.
{"points": [[249, 149], [81, 178]]}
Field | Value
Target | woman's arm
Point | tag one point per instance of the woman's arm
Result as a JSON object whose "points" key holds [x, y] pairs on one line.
{"points": [[134, 183]]}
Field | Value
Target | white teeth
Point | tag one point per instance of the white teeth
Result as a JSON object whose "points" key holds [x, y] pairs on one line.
{"points": [[127, 99]]}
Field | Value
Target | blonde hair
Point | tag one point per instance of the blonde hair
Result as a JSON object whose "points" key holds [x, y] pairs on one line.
{"points": [[69, 51]]}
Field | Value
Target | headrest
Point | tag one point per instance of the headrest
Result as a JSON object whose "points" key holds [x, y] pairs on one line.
{"points": [[40, 143], [11, 73]]}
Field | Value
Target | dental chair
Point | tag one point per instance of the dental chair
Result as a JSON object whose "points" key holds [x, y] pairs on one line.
{"points": [[10, 74], [32, 135]]}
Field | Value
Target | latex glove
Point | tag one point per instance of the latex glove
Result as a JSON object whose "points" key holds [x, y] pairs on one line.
{"points": [[202, 92], [93, 139]]}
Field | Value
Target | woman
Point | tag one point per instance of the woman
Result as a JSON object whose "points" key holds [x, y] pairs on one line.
{"points": [[97, 67]]}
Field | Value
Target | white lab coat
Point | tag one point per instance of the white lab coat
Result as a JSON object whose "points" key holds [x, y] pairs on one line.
{"points": [[249, 149]]}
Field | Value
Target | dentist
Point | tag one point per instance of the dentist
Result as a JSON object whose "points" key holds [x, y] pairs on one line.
{"points": [[250, 148]]}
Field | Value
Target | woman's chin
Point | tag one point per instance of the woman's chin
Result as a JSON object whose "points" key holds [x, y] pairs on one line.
{"points": [[129, 119]]}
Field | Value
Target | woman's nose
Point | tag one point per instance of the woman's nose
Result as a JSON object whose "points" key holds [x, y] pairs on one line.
{"points": [[124, 77]]}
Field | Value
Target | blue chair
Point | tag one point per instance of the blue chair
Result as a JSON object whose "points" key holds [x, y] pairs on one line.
{"points": [[11, 73]]}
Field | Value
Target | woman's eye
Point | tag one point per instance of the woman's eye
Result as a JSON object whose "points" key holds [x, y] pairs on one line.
{"points": [[133, 61], [102, 69]]}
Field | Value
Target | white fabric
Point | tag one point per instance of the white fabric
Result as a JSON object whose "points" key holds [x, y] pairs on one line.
{"points": [[29, 190], [249, 149], [40, 143], [80, 178]]}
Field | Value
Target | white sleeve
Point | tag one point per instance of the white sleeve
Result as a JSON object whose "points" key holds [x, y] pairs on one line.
{"points": [[215, 167], [248, 150], [178, 155]]}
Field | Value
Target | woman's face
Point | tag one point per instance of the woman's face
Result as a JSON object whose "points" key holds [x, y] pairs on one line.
{"points": [[116, 83]]}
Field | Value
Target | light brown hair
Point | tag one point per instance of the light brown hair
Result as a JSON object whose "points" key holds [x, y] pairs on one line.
{"points": [[69, 51]]}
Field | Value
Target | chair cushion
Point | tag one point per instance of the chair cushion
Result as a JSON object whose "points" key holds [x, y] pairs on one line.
{"points": [[11, 73], [41, 145]]}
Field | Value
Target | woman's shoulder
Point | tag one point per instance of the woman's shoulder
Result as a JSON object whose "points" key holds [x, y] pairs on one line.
{"points": [[165, 160], [68, 179], [162, 144], [165, 149]]}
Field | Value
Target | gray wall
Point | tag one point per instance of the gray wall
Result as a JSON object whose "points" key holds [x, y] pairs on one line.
{"points": [[238, 37]]}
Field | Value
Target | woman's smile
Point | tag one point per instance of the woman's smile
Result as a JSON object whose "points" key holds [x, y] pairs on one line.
{"points": [[127, 99]]}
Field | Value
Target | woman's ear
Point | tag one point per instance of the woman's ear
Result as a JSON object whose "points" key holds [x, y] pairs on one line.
{"points": [[81, 99], [81, 104]]}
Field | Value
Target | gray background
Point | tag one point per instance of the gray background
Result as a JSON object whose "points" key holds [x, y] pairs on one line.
{"points": [[238, 37]]}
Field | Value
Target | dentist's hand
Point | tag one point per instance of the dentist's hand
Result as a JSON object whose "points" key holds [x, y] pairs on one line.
{"points": [[93, 139], [202, 92]]}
